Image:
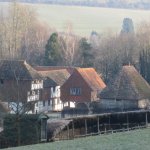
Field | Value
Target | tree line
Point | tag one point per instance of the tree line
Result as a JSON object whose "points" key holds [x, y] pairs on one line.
{"points": [[22, 35], [27, 38], [106, 52], [134, 4]]}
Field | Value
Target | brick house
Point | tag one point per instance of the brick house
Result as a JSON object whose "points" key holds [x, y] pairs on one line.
{"points": [[83, 86], [20, 84]]}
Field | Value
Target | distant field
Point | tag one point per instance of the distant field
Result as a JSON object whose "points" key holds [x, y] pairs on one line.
{"points": [[134, 140], [87, 19]]}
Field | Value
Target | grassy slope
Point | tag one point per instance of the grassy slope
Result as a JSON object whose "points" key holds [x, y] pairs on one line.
{"points": [[134, 140], [86, 19]]}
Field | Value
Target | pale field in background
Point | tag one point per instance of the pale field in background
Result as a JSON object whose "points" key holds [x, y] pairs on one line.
{"points": [[86, 19]]}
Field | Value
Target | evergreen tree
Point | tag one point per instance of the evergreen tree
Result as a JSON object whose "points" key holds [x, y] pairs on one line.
{"points": [[127, 26], [144, 64], [87, 56], [52, 51]]}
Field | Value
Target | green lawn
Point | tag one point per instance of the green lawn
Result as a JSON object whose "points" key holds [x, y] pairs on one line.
{"points": [[133, 140], [86, 19]]}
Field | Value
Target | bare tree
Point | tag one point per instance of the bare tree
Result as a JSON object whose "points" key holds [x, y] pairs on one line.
{"points": [[69, 46], [16, 28], [22, 34], [143, 35]]}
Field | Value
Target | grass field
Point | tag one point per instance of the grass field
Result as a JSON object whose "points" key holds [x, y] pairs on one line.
{"points": [[87, 19], [133, 140]]}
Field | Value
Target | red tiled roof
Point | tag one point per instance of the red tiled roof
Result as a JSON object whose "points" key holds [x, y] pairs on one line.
{"points": [[92, 78]]}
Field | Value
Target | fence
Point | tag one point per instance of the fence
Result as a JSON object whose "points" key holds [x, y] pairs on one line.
{"points": [[113, 131]]}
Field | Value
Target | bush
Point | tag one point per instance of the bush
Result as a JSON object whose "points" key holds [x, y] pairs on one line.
{"points": [[21, 130]]}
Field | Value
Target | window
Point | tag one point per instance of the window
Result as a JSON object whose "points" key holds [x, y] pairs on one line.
{"points": [[1, 81], [118, 100], [37, 104], [75, 91], [43, 103], [48, 102]]}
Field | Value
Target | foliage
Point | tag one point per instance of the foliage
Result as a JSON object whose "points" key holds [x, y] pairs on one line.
{"points": [[69, 46], [98, 3], [24, 129], [144, 64], [91, 18], [127, 26], [52, 51], [118, 141], [87, 57], [20, 37]]}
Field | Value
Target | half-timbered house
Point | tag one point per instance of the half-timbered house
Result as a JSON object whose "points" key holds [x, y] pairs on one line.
{"points": [[20, 85], [54, 79]]}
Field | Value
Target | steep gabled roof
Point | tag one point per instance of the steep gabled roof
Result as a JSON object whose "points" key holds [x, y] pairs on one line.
{"points": [[127, 85], [58, 76], [47, 83], [12, 69], [92, 78], [51, 68]]}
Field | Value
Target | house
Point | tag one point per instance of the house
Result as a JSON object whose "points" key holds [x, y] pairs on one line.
{"points": [[127, 91], [20, 84], [83, 86], [45, 104], [54, 79]]}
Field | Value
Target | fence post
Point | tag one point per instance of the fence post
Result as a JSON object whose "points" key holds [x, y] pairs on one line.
{"points": [[98, 124], [73, 128], [85, 126], [68, 132], [146, 120], [105, 128], [109, 122], [127, 122]]}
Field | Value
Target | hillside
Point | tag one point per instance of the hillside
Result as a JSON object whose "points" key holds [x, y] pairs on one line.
{"points": [[134, 4], [103, 19], [133, 140]]}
